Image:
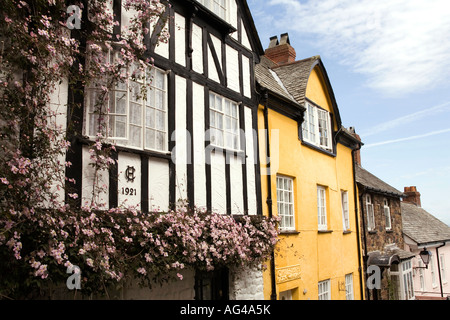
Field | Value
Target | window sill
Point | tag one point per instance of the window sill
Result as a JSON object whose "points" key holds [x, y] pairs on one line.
{"points": [[212, 148], [313, 146], [87, 141], [389, 231], [372, 232], [325, 231], [289, 232], [347, 232]]}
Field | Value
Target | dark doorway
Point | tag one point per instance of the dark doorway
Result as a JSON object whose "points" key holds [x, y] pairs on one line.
{"points": [[212, 285]]}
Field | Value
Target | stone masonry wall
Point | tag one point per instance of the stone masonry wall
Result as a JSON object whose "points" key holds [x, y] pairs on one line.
{"points": [[380, 237]]}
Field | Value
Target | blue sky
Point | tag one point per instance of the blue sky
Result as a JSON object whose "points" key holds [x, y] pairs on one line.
{"points": [[389, 64]]}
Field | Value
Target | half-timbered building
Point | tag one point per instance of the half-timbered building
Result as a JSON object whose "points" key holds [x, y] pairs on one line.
{"points": [[192, 139]]}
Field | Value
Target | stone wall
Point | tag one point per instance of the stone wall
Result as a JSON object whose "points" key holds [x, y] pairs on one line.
{"points": [[377, 239]]}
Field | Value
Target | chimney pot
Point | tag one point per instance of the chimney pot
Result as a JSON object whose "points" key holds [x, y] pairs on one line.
{"points": [[280, 52], [412, 196]]}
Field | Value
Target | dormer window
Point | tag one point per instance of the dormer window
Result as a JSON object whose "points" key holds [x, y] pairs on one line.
{"points": [[219, 7], [316, 128]]}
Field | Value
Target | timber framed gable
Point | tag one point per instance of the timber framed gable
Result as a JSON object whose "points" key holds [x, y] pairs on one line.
{"points": [[204, 57]]}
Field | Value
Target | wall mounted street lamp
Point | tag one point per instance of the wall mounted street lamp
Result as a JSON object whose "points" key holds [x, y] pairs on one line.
{"points": [[425, 255]]}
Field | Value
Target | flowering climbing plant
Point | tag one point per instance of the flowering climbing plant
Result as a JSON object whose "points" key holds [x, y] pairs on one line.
{"points": [[42, 231]]}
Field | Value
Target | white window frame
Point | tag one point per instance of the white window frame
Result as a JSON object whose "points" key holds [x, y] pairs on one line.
{"points": [[316, 127], [370, 213], [387, 214], [324, 288], [345, 211], [349, 287], [421, 276], [407, 282], [224, 124], [322, 208], [433, 272], [218, 7], [285, 202], [442, 266], [156, 88]]}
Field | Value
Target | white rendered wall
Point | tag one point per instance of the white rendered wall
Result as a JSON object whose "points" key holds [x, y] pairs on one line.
{"points": [[197, 46], [180, 137], [129, 191], [88, 177], [180, 39], [232, 68], [199, 145], [159, 184]]}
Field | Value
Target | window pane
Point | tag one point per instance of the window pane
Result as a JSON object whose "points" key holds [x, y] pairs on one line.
{"points": [[150, 139], [160, 120], [219, 121], [150, 117], [135, 136], [160, 141], [135, 113], [212, 118]]}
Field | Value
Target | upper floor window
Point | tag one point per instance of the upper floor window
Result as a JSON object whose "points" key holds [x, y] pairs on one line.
{"points": [[316, 128], [322, 208], [442, 265], [224, 122], [387, 214], [345, 215], [129, 117], [285, 202], [370, 214], [219, 7]]}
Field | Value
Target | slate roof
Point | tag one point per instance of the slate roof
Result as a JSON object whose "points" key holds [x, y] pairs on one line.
{"points": [[295, 76], [373, 183], [421, 226], [268, 80]]}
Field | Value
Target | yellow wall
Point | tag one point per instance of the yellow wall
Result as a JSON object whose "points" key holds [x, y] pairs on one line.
{"points": [[318, 256]]}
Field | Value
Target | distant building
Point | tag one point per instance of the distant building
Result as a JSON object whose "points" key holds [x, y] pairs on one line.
{"points": [[382, 237], [421, 231]]}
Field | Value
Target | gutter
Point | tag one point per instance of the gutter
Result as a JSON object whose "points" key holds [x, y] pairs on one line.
{"points": [[273, 295], [361, 270], [364, 238], [439, 268]]}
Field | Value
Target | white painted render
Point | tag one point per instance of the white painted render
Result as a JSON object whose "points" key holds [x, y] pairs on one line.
{"points": [[58, 104], [246, 76], [88, 178], [233, 68], [199, 145], [197, 45], [218, 185], [237, 201], [250, 144], [180, 135], [132, 197], [180, 38], [158, 184]]}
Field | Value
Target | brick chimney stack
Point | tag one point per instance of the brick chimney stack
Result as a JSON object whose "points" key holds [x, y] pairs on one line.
{"points": [[280, 52], [357, 153], [412, 196]]}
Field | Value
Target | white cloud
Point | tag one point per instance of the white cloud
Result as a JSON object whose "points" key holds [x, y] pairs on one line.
{"points": [[415, 137], [395, 123], [402, 46]]}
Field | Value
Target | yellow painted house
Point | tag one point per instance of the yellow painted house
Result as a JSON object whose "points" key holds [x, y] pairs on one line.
{"points": [[308, 181]]}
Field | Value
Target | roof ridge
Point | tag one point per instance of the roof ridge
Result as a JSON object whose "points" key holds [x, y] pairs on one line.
{"points": [[316, 57]]}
